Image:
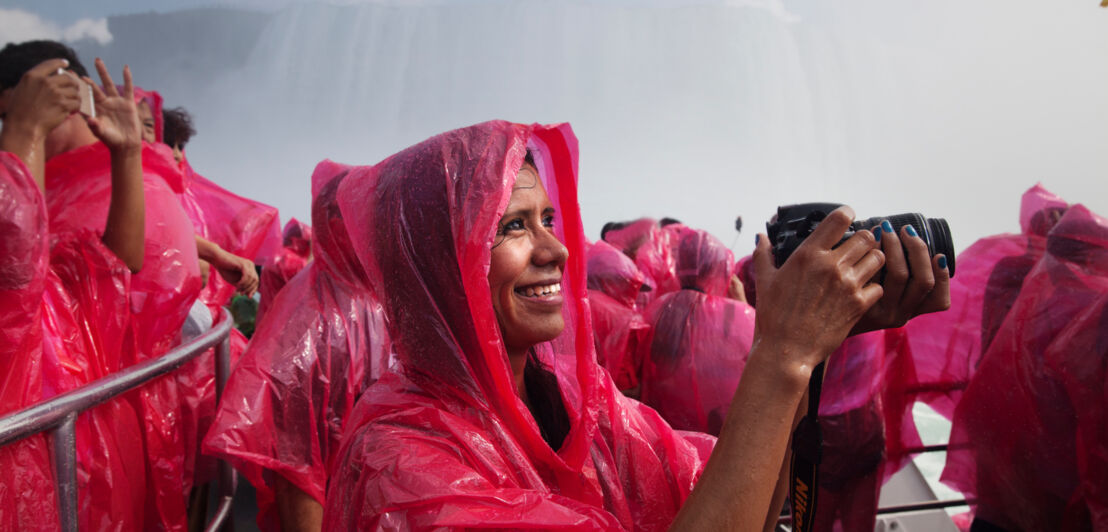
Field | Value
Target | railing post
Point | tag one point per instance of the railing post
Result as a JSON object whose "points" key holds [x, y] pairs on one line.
{"points": [[227, 480], [65, 471]]}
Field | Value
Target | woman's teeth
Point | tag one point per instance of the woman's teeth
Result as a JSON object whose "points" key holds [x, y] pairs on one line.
{"points": [[540, 291]]}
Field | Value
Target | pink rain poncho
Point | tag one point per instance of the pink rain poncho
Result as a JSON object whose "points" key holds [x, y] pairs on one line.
{"points": [[78, 188], [73, 324], [699, 339], [651, 247], [239, 225], [322, 344], [947, 346], [614, 284], [443, 441], [867, 427], [1030, 435], [295, 252], [27, 500]]}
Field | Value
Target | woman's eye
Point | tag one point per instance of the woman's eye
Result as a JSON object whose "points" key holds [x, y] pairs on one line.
{"points": [[548, 221], [513, 225]]}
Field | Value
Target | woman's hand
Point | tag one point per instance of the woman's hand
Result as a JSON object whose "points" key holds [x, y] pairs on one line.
{"points": [[117, 122], [923, 289], [238, 271], [807, 307], [44, 97]]}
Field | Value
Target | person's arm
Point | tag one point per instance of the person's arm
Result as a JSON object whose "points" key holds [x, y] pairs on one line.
{"points": [[41, 101], [117, 125], [297, 511], [806, 309], [234, 269]]}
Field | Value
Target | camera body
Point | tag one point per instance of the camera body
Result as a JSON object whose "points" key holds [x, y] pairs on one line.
{"points": [[793, 223]]}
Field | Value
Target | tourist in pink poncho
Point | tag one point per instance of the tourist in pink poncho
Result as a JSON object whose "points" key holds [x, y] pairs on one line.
{"points": [[322, 343], [496, 414]]}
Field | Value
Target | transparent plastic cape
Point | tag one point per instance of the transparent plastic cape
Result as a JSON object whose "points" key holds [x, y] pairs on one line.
{"points": [[699, 339], [947, 346], [614, 282], [651, 247], [242, 226], [73, 325], [1029, 435], [78, 190], [27, 500], [295, 252], [443, 440], [323, 342]]}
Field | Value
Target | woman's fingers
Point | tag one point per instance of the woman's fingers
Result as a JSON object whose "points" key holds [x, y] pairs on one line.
{"points": [[830, 231], [106, 78], [939, 298], [922, 282], [128, 85]]}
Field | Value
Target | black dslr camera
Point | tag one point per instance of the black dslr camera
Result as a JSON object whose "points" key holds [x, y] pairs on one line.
{"points": [[793, 223]]}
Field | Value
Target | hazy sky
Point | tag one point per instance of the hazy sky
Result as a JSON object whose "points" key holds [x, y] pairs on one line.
{"points": [[946, 107]]}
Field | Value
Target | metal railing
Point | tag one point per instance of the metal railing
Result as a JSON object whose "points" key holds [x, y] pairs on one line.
{"points": [[787, 519], [59, 416]]}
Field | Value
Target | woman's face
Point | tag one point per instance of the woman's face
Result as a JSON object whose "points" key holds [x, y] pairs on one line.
{"points": [[148, 125], [525, 274]]}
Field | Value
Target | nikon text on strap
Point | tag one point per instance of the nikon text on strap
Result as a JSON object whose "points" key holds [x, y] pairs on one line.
{"points": [[806, 454]]}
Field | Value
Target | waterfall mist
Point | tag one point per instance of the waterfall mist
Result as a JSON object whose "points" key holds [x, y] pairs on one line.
{"points": [[696, 110]]}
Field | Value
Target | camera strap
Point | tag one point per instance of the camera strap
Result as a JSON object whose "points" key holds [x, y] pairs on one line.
{"points": [[806, 455]]}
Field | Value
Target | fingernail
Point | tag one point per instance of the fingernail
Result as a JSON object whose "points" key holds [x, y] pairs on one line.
{"points": [[877, 235], [65, 62], [911, 230], [757, 238], [886, 226], [942, 261]]}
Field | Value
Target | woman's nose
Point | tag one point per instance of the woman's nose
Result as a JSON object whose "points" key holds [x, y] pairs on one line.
{"points": [[549, 250]]}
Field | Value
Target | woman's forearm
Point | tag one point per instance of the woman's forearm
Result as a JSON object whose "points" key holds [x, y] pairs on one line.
{"points": [[125, 231], [737, 486]]}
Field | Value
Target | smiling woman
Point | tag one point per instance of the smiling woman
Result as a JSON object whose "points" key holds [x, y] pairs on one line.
{"points": [[497, 414]]}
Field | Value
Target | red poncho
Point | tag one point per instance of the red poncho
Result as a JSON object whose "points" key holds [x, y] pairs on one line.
{"points": [[651, 247], [444, 441], [78, 191], [699, 339], [1030, 435], [947, 346], [295, 252], [72, 320], [322, 344], [614, 284]]}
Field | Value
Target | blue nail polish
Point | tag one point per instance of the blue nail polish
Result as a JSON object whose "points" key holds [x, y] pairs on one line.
{"points": [[942, 261], [757, 237], [886, 226], [911, 230], [877, 235]]}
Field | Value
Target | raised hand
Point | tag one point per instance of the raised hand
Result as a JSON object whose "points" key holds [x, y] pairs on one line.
{"points": [[44, 97], [117, 122], [808, 306], [913, 285]]}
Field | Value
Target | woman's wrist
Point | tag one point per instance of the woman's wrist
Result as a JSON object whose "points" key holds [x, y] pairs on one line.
{"points": [[789, 365]]}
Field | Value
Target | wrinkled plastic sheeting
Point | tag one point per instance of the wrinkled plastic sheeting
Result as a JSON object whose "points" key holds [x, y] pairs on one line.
{"points": [[27, 500], [443, 440], [651, 248], [1029, 435], [615, 274], [87, 328], [154, 100], [852, 419], [694, 356], [78, 191], [947, 346], [698, 341], [239, 225], [322, 344], [614, 284], [275, 275]]}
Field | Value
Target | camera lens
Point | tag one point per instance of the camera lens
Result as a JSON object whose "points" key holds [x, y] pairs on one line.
{"points": [[934, 231]]}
